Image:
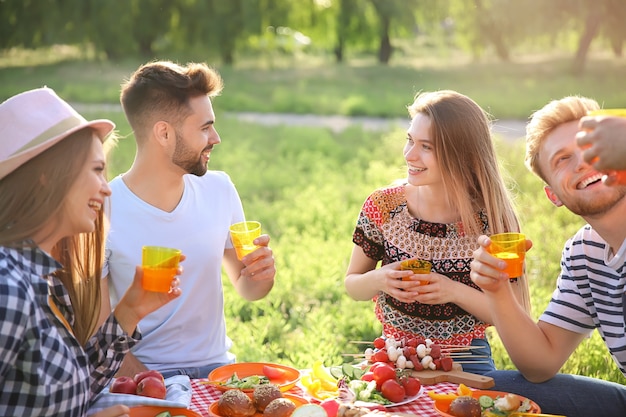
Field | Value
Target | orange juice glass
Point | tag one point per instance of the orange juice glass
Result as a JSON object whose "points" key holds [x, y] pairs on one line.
{"points": [[159, 266], [242, 235], [418, 266], [510, 247]]}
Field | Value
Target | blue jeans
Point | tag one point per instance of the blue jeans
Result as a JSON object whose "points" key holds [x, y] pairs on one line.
{"points": [[194, 373], [568, 395], [479, 368]]}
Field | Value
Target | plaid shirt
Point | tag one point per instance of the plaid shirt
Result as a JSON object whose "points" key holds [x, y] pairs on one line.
{"points": [[43, 369]]}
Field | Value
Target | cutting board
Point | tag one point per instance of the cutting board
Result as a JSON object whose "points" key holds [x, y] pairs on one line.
{"points": [[456, 376]]}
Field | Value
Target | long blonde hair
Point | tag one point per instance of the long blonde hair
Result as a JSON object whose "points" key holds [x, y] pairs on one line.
{"points": [[34, 194], [465, 152]]}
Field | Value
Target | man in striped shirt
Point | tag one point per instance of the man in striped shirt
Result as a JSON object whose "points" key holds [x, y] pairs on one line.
{"points": [[590, 287]]}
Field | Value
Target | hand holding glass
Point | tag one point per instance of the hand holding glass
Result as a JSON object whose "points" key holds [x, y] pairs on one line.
{"points": [[510, 247], [243, 235], [159, 267], [418, 266]]}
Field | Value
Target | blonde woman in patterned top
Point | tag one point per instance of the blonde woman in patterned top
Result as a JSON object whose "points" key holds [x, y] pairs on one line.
{"points": [[454, 192]]}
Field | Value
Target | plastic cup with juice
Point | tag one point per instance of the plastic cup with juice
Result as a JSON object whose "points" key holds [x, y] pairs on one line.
{"points": [[510, 247], [159, 266], [418, 266], [242, 235]]}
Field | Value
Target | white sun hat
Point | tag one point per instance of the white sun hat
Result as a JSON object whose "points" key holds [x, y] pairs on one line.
{"points": [[35, 120]]}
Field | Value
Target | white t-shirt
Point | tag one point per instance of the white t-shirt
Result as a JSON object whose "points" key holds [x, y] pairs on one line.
{"points": [[189, 331], [589, 292]]}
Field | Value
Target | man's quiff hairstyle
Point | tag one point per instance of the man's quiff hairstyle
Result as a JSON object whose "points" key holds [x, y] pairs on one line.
{"points": [[161, 90], [545, 120]]}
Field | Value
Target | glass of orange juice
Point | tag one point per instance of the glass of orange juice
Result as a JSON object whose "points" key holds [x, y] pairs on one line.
{"points": [[418, 266], [510, 247], [243, 235], [159, 266]]}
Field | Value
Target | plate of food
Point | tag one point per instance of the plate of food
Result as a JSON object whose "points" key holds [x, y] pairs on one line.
{"points": [[156, 411], [267, 401], [489, 403], [247, 375]]}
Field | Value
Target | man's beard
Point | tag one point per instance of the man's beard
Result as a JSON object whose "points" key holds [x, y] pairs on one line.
{"points": [[187, 159], [592, 208]]}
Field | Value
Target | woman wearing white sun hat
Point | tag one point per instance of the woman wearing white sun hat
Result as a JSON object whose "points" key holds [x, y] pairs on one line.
{"points": [[52, 188]]}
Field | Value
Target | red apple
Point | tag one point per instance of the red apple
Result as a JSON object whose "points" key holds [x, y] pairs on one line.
{"points": [[152, 386], [123, 385], [144, 374]]}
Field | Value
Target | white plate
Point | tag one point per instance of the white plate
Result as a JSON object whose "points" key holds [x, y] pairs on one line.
{"points": [[405, 401]]}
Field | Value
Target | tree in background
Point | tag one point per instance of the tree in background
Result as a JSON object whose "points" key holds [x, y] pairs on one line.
{"points": [[121, 28], [398, 12]]}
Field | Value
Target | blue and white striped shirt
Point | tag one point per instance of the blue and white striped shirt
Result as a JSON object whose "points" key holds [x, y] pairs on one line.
{"points": [[589, 292]]}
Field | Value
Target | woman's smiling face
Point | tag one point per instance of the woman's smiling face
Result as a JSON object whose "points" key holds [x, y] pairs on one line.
{"points": [[87, 194], [419, 153]]}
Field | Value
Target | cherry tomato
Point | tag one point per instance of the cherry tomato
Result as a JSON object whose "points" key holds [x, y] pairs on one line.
{"points": [[368, 376], [384, 372], [411, 385], [393, 391], [381, 356], [374, 366], [273, 373], [379, 343]]}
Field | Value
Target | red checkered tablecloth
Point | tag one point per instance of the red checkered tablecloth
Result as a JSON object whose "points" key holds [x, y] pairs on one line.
{"points": [[204, 394]]}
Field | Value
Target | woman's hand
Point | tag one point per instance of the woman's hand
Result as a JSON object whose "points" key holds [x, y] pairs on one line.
{"points": [[402, 285], [439, 290], [138, 303]]}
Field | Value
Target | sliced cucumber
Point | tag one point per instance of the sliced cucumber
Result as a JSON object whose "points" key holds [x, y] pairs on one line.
{"points": [[348, 370], [358, 373], [164, 414], [336, 371], [485, 401]]}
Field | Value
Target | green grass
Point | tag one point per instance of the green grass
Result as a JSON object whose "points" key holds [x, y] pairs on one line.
{"points": [[306, 185]]}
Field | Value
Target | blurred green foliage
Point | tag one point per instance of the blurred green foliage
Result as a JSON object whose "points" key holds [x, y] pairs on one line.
{"points": [[341, 29], [313, 84]]}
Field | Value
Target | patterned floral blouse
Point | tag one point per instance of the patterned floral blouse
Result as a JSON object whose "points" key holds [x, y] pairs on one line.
{"points": [[387, 232]]}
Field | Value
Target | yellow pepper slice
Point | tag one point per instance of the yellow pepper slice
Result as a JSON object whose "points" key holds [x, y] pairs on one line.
{"points": [[442, 397], [464, 390], [320, 372]]}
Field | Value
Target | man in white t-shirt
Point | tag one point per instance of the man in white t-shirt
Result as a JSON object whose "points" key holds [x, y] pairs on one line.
{"points": [[168, 198], [590, 287]]}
